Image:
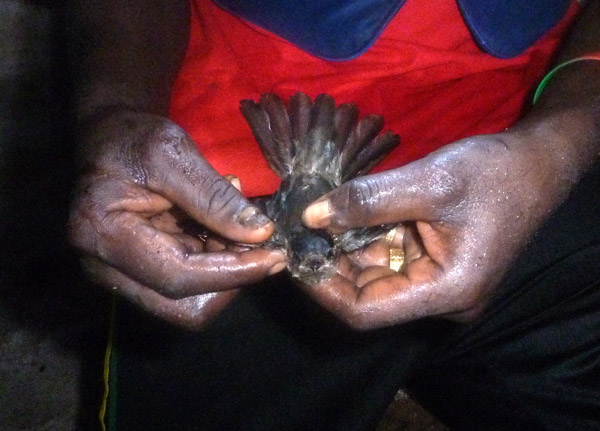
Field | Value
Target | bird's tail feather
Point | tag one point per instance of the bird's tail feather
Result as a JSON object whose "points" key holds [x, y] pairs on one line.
{"points": [[317, 138], [269, 123]]}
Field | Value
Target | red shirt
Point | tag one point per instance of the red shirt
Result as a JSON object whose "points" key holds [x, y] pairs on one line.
{"points": [[425, 75]]}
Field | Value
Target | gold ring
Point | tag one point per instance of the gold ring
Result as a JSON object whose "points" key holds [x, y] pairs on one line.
{"points": [[396, 259]]}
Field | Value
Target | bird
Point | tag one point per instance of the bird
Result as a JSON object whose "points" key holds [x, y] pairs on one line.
{"points": [[314, 147]]}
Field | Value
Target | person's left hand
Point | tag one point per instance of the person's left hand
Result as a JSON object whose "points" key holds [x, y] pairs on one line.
{"points": [[465, 210]]}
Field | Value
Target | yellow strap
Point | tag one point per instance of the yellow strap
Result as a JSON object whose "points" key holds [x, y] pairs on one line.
{"points": [[106, 371]]}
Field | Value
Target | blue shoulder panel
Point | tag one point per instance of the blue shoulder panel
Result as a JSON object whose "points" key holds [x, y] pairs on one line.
{"points": [[344, 29], [506, 28], [329, 29]]}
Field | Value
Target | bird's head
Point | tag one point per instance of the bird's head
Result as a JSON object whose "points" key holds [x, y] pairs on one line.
{"points": [[312, 256]]}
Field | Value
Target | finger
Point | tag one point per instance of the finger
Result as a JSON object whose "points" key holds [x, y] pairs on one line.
{"points": [[215, 244], [352, 266], [104, 224], [176, 170], [190, 244], [235, 181], [373, 273], [375, 254], [158, 260], [192, 312], [165, 221], [395, 237], [362, 309], [412, 244], [384, 299], [418, 191], [347, 268]]}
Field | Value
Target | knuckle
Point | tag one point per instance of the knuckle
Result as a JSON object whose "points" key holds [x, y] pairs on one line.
{"points": [[444, 185], [361, 201], [355, 202], [166, 140], [153, 144], [221, 196], [361, 193]]}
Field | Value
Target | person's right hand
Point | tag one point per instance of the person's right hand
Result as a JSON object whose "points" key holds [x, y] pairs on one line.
{"points": [[139, 172]]}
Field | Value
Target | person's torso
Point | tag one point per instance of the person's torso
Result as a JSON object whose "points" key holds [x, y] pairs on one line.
{"points": [[422, 69]]}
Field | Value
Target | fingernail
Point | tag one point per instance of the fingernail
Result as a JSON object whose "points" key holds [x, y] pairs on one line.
{"points": [[252, 217], [318, 214], [235, 181], [277, 268]]}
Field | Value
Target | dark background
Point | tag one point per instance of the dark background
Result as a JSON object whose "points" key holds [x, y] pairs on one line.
{"points": [[51, 321]]}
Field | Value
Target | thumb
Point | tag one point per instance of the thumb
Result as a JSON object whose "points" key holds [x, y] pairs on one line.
{"points": [[412, 192], [182, 175]]}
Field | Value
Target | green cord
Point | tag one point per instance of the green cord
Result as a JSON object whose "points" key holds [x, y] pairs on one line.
{"points": [[550, 74]]}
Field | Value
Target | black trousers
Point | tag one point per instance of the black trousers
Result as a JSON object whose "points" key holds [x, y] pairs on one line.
{"points": [[274, 361]]}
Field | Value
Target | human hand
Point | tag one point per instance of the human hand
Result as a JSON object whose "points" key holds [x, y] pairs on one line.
{"points": [[465, 210], [141, 175]]}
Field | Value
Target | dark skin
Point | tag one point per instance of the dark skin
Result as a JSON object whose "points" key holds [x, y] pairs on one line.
{"points": [[141, 172], [468, 208], [465, 210]]}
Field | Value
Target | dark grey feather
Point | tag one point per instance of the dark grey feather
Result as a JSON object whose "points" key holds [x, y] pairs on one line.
{"points": [[280, 129], [370, 155], [362, 134], [260, 123], [300, 107], [345, 117], [317, 153]]}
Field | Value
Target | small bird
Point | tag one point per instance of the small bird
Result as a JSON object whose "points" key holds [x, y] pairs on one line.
{"points": [[314, 148]]}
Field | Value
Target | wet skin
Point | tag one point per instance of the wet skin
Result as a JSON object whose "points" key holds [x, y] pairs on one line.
{"points": [[465, 210], [126, 220]]}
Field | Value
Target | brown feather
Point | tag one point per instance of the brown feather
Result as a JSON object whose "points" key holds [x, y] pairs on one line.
{"points": [[371, 155], [260, 124], [345, 117], [299, 113], [362, 134], [280, 128]]}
